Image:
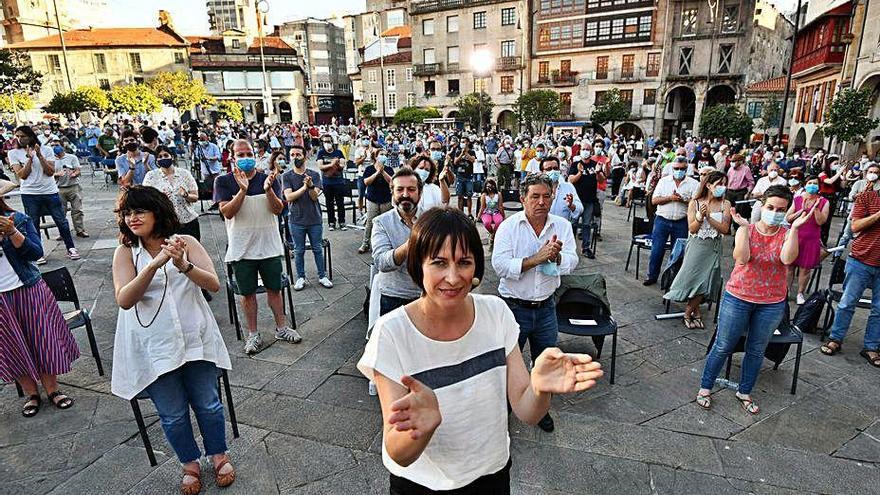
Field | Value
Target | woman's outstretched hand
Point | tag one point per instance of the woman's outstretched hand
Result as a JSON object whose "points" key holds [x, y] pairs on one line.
{"points": [[416, 412], [556, 372]]}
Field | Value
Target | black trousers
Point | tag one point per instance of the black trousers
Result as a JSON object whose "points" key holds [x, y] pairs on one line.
{"points": [[497, 483], [191, 228], [388, 304], [334, 195]]}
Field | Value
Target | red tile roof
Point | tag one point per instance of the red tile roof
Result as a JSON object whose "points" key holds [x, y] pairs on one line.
{"points": [[108, 37], [402, 31], [774, 85], [404, 43], [272, 45], [397, 58]]}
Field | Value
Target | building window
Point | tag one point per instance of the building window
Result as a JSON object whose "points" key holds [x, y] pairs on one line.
{"points": [[452, 54], [104, 84], [236, 44], [565, 103], [602, 67], [391, 78], [684, 60], [507, 84], [54, 63], [726, 57], [135, 61], [650, 97], [428, 56], [730, 20], [409, 74], [689, 22], [452, 24], [430, 88], [481, 85], [754, 109], [628, 66], [392, 102], [372, 77], [557, 35], [508, 16], [410, 99], [543, 71], [452, 86], [178, 58], [394, 18], [555, 7], [600, 97], [653, 68], [618, 29], [374, 100], [508, 48], [565, 67], [100, 63], [428, 27], [479, 20]]}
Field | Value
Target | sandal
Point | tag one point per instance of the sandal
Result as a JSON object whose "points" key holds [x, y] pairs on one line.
{"points": [[698, 322], [827, 348], [30, 410], [748, 405], [62, 402], [704, 401], [874, 361], [224, 480], [195, 472], [688, 321]]}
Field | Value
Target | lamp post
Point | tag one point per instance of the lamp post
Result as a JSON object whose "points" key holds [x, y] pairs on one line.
{"points": [[784, 109], [481, 64], [262, 7], [378, 31], [63, 45]]}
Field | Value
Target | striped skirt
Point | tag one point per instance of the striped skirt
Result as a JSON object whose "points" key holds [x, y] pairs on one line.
{"points": [[34, 338]]}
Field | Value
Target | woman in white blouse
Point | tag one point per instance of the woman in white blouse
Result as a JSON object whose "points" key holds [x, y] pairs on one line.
{"points": [[447, 364], [433, 194], [167, 340], [180, 187]]}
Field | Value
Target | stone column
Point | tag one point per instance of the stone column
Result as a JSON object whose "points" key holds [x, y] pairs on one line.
{"points": [[700, 100]]}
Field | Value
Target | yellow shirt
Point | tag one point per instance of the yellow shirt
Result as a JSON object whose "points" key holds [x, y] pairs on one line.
{"points": [[527, 155]]}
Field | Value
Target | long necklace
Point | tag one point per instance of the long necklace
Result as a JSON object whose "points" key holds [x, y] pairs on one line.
{"points": [[161, 301]]}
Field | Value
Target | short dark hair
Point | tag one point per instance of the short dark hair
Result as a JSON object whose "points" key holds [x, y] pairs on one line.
{"points": [[162, 148], [150, 199], [550, 158], [778, 192], [429, 234], [148, 134], [297, 146], [128, 133], [405, 171], [432, 171]]}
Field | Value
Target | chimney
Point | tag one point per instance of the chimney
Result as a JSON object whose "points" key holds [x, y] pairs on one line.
{"points": [[165, 20]]}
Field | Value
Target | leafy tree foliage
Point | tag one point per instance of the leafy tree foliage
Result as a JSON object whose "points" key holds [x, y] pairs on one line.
{"points": [[82, 99], [847, 117], [612, 108], [230, 110], [178, 90], [17, 75], [535, 107], [134, 99], [770, 113], [415, 115], [23, 101], [469, 108], [725, 121]]}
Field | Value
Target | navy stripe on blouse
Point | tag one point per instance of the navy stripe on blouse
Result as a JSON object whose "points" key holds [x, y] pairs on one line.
{"points": [[452, 374]]}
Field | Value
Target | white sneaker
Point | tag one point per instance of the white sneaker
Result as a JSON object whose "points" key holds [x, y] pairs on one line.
{"points": [[326, 282], [299, 284], [371, 389], [253, 343], [288, 334], [41, 261], [800, 299], [73, 254], [344, 227]]}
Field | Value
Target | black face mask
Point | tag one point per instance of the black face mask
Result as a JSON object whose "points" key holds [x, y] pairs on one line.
{"points": [[131, 147], [298, 162]]}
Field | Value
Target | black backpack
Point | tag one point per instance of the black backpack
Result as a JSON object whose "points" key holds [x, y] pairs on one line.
{"points": [[806, 318]]}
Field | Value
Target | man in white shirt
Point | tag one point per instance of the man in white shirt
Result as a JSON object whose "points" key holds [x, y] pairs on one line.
{"points": [[35, 167], [671, 197], [533, 249], [67, 172], [771, 179], [534, 165], [566, 203]]}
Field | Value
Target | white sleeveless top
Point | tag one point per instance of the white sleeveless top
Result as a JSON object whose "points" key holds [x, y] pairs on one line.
{"points": [[184, 330], [253, 232]]}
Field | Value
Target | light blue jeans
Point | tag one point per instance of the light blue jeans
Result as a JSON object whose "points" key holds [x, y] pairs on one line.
{"points": [[859, 276], [298, 234], [736, 317]]}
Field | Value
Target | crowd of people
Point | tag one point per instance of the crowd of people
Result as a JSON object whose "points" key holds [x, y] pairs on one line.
{"points": [[440, 357]]}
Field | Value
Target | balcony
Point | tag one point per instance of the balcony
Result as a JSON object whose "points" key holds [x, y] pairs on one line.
{"points": [[427, 69], [453, 67], [559, 79], [819, 58], [428, 6], [508, 63]]}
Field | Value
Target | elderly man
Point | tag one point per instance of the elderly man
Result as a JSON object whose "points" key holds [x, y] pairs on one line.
{"points": [[533, 249], [671, 197], [67, 172], [208, 155], [250, 202]]}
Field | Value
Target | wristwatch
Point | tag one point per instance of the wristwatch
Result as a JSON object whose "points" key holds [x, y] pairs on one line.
{"points": [[189, 267]]}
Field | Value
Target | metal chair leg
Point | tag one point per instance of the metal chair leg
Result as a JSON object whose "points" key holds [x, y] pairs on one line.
{"points": [[638, 260], [94, 346], [797, 368], [229, 404], [628, 257], [729, 365], [613, 355], [139, 418], [235, 320]]}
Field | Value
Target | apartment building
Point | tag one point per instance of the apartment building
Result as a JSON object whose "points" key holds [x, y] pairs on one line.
{"points": [[583, 48], [389, 78], [866, 71], [239, 15], [446, 35], [365, 29]]}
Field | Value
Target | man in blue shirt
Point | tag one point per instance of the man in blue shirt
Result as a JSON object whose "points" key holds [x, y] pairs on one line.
{"points": [[91, 134], [133, 164], [332, 164]]}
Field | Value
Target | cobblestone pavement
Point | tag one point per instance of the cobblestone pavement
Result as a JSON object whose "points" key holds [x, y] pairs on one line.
{"points": [[309, 427]]}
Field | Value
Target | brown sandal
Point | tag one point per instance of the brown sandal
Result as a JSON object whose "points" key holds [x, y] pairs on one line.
{"points": [[827, 348], [191, 488], [875, 360], [224, 480]]}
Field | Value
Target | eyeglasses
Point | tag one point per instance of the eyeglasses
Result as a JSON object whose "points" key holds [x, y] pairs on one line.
{"points": [[137, 212]]}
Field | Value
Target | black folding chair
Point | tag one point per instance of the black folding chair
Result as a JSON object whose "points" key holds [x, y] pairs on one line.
{"points": [[638, 198], [834, 292], [580, 313], [512, 200], [641, 239], [61, 284], [222, 379], [289, 248]]}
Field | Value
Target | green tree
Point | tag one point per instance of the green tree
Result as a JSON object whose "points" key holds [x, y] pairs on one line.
{"points": [[725, 121], [134, 99], [230, 110], [415, 115], [17, 75], [23, 101], [366, 111], [535, 107], [178, 90], [611, 108], [470, 106], [82, 99], [847, 117], [770, 113]]}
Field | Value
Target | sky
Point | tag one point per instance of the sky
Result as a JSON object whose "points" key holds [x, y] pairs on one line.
{"points": [[191, 17]]}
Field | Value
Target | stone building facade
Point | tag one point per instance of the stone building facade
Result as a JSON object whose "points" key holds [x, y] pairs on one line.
{"points": [[866, 70]]}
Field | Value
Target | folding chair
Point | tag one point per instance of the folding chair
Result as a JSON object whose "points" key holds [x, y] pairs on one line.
{"points": [[641, 239], [638, 197], [512, 200], [834, 292], [232, 288], [61, 284], [580, 312], [222, 379], [288, 250]]}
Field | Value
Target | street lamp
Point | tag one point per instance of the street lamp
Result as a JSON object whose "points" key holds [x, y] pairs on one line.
{"points": [[481, 63], [262, 8]]}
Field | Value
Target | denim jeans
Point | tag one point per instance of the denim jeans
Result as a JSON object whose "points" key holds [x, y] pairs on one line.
{"points": [[193, 385], [859, 276], [538, 326], [586, 221], [37, 204], [664, 229], [388, 304], [736, 317], [298, 235]]}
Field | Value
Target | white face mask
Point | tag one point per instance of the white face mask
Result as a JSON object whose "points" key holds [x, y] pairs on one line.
{"points": [[772, 174], [872, 177]]}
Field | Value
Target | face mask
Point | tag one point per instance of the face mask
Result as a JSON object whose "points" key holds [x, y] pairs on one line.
{"points": [[585, 153], [461, 145], [772, 174], [423, 174], [561, 155], [539, 154], [382, 159], [328, 146], [131, 147], [47, 132], [772, 218], [365, 142], [719, 191], [811, 188], [678, 174], [793, 182], [554, 175], [203, 142], [246, 165], [597, 150], [57, 150], [834, 168], [298, 162], [871, 177], [436, 155]]}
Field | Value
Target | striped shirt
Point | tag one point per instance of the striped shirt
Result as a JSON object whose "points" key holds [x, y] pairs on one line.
{"points": [[866, 246]]}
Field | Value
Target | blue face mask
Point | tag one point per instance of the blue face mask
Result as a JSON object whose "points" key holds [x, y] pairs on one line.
{"points": [[549, 268], [382, 159], [246, 165], [554, 175], [772, 218], [719, 191], [436, 155], [58, 150], [678, 174], [811, 188]]}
